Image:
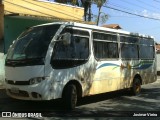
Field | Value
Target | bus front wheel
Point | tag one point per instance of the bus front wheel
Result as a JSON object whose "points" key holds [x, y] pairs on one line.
{"points": [[136, 87], [70, 97]]}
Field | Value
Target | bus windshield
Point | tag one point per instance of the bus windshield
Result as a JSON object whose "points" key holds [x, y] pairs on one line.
{"points": [[33, 43]]}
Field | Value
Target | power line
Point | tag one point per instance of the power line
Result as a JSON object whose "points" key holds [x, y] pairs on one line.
{"points": [[138, 15], [125, 8], [116, 16], [148, 4], [130, 3], [117, 5], [123, 16], [131, 13]]}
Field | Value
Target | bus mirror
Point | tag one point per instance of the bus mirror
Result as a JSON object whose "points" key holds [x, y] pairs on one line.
{"points": [[66, 38]]}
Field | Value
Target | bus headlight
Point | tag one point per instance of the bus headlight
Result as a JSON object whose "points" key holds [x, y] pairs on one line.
{"points": [[36, 80]]}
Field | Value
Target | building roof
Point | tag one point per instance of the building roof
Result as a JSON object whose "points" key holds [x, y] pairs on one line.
{"points": [[39, 8], [158, 48], [113, 26]]}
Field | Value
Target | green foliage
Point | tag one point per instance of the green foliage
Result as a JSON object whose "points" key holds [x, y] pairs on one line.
{"points": [[103, 18], [99, 2]]}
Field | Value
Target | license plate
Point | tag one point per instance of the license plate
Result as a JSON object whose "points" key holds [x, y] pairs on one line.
{"points": [[14, 90]]}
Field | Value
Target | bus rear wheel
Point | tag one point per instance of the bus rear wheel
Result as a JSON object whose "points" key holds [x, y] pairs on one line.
{"points": [[136, 87], [70, 97]]}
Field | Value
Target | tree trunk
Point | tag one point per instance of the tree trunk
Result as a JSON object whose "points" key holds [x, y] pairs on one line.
{"points": [[99, 12]]}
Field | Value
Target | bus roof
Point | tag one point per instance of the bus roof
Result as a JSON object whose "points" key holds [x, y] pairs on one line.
{"points": [[98, 28]]}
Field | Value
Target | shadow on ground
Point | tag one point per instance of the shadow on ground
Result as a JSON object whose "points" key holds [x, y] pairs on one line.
{"points": [[108, 104]]}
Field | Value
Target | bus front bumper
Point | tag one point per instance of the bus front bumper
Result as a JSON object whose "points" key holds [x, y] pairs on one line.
{"points": [[40, 91]]}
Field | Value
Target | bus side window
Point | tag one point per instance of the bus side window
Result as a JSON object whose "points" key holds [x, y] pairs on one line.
{"points": [[146, 48], [146, 52], [129, 47], [113, 50], [105, 45]]}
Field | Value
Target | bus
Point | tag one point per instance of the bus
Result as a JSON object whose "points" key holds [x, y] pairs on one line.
{"points": [[70, 60]]}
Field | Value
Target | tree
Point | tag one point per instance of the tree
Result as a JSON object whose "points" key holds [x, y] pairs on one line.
{"points": [[87, 6], [100, 3]]}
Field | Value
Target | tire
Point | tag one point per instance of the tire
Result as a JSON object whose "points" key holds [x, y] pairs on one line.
{"points": [[70, 97], [136, 87]]}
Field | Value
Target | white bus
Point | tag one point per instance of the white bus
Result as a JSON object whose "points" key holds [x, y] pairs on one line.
{"points": [[71, 60]]}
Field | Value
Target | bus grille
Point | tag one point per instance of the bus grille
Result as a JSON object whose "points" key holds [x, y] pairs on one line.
{"points": [[17, 82]]}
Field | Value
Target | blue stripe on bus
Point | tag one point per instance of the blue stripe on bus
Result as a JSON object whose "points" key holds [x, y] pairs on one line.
{"points": [[107, 64], [140, 67]]}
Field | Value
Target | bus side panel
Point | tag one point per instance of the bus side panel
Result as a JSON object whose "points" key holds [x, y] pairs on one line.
{"points": [[148, 71], [144, 68], [128, 72], [106, 77]]}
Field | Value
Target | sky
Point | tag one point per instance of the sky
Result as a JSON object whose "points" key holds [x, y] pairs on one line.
{"points": [[131, 23]]}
